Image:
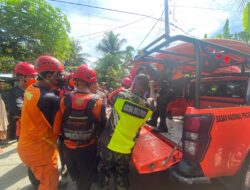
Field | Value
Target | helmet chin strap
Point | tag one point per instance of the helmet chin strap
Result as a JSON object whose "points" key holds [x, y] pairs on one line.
{"points": [[45, 80]]}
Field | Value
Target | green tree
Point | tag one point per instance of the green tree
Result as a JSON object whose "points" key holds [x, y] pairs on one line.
{"points": [[76, 55], [226, 30], [128, 55], [6, 64], [111, 44], [245, 34], [30, 28], [110, 69], [113, 66]]}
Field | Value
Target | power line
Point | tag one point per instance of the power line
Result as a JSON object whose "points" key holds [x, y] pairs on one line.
{"points": [[103, 8], [92, 38], [149, 32], [209, 8], [177, 27], [94, 24], [116, 28]]}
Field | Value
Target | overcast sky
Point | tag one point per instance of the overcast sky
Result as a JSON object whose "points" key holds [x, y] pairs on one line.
{"points": [[194, 17]]}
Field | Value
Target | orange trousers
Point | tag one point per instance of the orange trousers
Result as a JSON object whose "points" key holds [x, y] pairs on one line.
{"points": [[48, 176]]}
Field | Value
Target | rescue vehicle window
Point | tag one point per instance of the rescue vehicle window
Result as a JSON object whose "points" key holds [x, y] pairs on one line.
{"points": [[229, 89]]}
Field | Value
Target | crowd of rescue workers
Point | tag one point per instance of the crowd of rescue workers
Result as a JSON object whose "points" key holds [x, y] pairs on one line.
{"points": [[56, 114]]}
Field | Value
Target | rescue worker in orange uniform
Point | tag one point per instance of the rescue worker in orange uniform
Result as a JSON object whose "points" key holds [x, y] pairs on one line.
{"points": [[26, 75], [126, 83], [37, 142], [80, 118], [68, 87]]}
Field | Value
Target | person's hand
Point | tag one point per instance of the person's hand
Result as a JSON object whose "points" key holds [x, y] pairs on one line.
{"points": [[151, 84]]}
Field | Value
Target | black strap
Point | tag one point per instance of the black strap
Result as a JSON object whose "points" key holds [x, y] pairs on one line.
{"points": [[68, 105]]}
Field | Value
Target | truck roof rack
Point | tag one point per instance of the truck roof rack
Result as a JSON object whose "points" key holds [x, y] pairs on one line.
{"points": [[195, 56]]}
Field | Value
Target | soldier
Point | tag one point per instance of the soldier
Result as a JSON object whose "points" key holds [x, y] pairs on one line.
{"points": [[129, 113]]}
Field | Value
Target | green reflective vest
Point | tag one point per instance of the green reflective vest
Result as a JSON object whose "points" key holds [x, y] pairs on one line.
{"points": [[130, 117]]}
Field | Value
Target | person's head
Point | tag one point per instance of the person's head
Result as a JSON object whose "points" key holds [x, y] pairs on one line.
{"points": [[140, 84], [126, 82], [93, 86], [84, 76], [103, 86], [70, 79], [49, 72], [26, 74]]}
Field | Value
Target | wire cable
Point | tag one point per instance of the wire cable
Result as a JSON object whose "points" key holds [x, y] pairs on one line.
{"points": [[111, 29], [103, 8], [149, 32]]}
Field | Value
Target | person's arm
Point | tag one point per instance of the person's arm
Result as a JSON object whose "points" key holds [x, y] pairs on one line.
{"points": [[46, 105], [152, 93], [58, 114], [99, 113], [151, 101], [15, 102]]}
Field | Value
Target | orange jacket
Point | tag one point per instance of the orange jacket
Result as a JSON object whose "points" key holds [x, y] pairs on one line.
{"points": [[37, 142], [98, 113]]}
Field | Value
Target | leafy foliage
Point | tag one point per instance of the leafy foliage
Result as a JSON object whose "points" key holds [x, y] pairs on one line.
{"points": [[246, 18], [76, 55], [243, 35], [113, 66], [110, 70], [111, 44], [226, 31], [6, 64], [30, 28]]}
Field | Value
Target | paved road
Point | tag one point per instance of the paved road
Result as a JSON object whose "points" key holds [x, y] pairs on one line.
{"points": [[13, 176]]}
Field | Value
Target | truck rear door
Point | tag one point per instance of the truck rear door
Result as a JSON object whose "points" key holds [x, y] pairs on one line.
{"points": [[154, 152]]}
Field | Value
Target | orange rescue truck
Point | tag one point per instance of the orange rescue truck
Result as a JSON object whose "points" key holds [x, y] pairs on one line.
{"points": [[212, 138]]}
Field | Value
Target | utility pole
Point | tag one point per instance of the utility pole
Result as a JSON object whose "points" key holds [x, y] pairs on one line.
{"points": [[167, 31]]}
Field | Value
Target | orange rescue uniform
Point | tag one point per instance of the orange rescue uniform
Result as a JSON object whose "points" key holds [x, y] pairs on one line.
{"points": [[97, 112], [37, 142]]}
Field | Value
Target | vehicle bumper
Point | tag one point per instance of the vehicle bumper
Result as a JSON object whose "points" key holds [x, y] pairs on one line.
{"points": [[188, 174]]}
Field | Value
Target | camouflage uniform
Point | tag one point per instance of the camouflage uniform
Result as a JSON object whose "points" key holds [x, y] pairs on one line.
{"points": [[111, 162]]}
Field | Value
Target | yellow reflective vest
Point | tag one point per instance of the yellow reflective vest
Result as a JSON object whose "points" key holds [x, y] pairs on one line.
{"points": [[129, 117]]}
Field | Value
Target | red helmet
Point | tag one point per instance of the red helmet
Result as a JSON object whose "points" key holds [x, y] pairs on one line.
{"points": [[24, 68], [48, 63], [69, 76], [126, 82], [85, 73]]}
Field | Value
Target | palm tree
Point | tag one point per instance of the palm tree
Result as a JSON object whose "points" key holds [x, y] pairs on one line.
{"points": [[77, 57], [111, 44], [113, 66]]}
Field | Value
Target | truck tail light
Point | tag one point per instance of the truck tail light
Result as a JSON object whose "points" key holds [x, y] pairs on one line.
{"points": [[196, 136]]}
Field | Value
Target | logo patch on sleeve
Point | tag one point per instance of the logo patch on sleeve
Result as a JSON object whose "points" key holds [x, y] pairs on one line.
{"points": [[134, 110]]}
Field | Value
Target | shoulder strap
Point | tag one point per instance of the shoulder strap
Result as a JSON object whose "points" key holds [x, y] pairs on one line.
{"points": [[67, 104], [92, 101]]}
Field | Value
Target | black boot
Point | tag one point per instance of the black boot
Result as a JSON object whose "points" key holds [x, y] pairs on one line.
{"points": [[162, 128], [152, 123]]}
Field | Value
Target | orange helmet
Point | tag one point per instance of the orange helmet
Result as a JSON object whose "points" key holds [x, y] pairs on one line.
{"points": [[24, 68], [48, 63], [85, 73]]}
